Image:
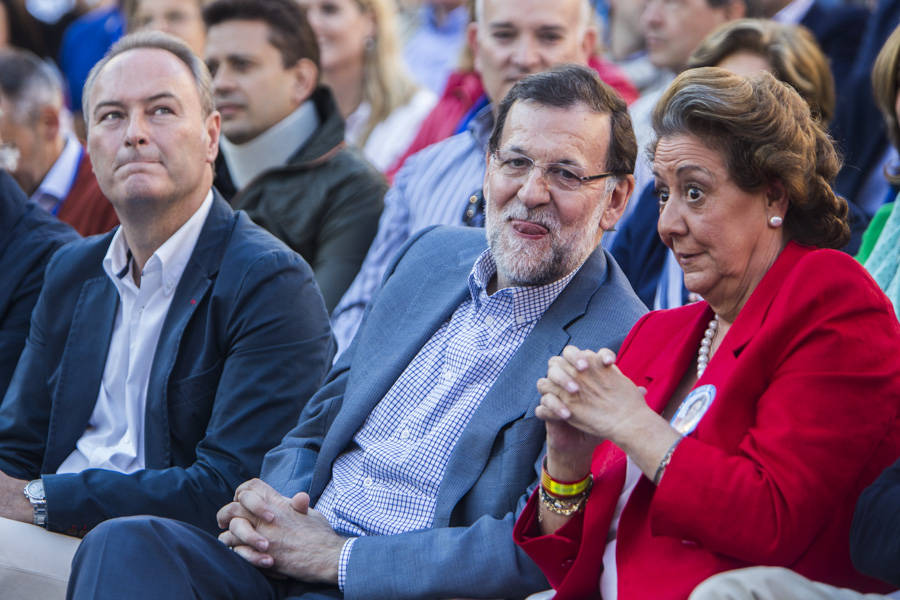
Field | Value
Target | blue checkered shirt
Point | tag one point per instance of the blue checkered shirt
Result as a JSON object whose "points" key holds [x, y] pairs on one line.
{"points": [[388, 482], [432, 188]]}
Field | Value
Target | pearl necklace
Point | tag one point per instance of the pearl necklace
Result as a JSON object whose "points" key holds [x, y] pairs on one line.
{"points": [[706, 346]]}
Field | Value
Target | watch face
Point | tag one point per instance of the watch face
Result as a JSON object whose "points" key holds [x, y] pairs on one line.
{"points": [[35, 489]]}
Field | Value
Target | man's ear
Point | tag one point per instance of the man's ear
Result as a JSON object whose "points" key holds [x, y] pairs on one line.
{"points": [[213, 128], [48, 122], [306, 78], [589, 43], [618, 200]]}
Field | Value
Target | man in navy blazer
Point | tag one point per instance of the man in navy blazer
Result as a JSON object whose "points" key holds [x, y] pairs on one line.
{"points": [[418, 450], [29, 236], [164, 358]]}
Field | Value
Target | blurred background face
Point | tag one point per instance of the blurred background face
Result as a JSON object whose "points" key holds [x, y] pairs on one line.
{"points": [[674, 28], [181, 18], [20, 140], [625, 33], [515, 38], [745, 63], [253, 89], [342, 28]]}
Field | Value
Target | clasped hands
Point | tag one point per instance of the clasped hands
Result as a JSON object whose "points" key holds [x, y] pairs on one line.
{"points": [[281, 534], [586, 399]]}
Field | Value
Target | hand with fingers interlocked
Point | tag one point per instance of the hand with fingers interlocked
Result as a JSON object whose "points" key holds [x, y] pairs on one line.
{"points": [[586, 400], [281, 534], [587, 391]]}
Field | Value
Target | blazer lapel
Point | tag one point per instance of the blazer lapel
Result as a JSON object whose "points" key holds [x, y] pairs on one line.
{"points": [[387, 344], [81, 367], [674, 358], [514, 394], [194, 284]]}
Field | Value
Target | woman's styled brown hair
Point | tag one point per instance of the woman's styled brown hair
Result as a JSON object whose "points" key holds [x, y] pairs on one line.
{"points": [[767, 136]]}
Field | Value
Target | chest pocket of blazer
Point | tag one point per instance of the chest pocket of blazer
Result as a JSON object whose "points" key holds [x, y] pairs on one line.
{"points": [[190, 405]]}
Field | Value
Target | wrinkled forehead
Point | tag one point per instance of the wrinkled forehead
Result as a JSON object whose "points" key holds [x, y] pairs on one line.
{"points": [[573, 135], [143, 73], [564, 15]]}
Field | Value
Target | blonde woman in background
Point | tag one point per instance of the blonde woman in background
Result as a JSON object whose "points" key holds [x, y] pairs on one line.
{"points": [[361, 63]]}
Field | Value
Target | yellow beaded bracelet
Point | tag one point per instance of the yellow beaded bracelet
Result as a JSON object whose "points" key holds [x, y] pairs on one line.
{"points": [[563, 489]]}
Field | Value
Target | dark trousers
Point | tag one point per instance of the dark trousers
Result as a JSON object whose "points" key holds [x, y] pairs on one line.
{"points": [[152, 558]]}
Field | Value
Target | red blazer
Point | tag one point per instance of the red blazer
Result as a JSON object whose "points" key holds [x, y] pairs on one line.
{"points": [[86, 208], [805, 416]]}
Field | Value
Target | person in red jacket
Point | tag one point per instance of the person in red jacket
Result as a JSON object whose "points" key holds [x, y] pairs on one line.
{"points": [[739, 430]]}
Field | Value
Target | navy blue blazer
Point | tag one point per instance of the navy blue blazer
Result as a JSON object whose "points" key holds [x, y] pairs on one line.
{"points": [[469, 551], [29, 236], [857, 120], [245, 343], [838, 29], [875, 532]]}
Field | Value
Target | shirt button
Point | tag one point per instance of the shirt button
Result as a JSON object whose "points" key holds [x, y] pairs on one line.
{"points": [[368, 482], [404, 435], [489, 320]]}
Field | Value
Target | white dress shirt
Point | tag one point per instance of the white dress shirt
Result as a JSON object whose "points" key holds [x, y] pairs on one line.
{"points": [[392, 137], [114, 438]]}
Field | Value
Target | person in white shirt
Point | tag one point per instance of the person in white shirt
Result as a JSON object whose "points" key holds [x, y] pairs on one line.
{"points": [[359, 51], [163, 358]]}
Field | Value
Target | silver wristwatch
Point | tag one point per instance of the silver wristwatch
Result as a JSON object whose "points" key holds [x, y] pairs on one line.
{"points": [[34, 491]]}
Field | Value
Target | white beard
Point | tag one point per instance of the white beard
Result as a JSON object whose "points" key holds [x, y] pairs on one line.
{"points": [[533, 262]]}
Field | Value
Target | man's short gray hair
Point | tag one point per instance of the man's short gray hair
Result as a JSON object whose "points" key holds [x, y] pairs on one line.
{"points": [[160, 41], [586, 14], [28, 83]]}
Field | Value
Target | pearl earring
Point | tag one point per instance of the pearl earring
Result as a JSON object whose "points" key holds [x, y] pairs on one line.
{"points": [[775, 221]]}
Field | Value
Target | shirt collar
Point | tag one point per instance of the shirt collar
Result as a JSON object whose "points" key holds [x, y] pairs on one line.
{"points": [[171, 258], [272, 148], [59, 179], [529, 302], [794, 12], [481, 124]]}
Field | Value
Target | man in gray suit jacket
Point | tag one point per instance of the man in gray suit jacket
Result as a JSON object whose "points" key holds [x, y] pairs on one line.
{"points": [[419, 449]]}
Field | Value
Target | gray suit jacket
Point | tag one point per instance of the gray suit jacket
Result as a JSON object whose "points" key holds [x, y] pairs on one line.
{"points": [[469, 549]]}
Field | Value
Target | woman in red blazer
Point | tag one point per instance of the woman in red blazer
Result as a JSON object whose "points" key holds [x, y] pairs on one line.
{"points": [[739, 430]]}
